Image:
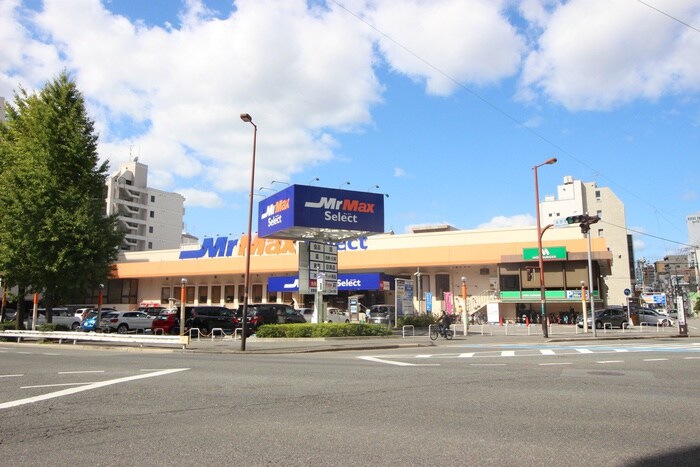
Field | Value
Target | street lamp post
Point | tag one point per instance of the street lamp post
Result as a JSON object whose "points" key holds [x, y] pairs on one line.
{"points": [[545, 331], [183, 297], [465, 317], [98, 318], [248, 119]]}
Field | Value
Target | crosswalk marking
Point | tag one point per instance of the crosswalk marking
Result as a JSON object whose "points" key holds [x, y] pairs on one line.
{"points": [[508, 353], [547, 352]]}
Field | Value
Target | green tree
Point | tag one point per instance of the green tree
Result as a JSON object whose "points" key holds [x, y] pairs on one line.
{"points": [[54, 236]]}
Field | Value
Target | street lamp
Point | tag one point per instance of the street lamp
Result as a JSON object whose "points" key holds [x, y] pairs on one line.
{"points": [[553, 160], [183, 296], [465, 319], [248, 119], [98, 318]]}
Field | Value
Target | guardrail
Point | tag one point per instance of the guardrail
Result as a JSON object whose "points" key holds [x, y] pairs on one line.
{"points": [[75, 337]]}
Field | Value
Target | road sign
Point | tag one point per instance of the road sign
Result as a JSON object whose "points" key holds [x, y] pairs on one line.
{"points": [[628, 292], [318, 268]]}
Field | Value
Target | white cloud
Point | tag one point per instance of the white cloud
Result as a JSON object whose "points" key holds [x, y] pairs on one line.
{"points": [[400, 172], [599, 54], [447, 42], [206, 199], [499, 222]]}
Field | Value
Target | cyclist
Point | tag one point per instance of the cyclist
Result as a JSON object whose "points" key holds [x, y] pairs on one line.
{"points": [[444, 322]]}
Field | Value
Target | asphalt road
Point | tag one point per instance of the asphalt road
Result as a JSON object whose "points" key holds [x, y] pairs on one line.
{"points": [[618, 403]]}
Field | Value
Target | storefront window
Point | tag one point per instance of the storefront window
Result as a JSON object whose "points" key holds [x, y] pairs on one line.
{"points": [[203, 294], [442, 285], [165, 295], [230, 293], [241, 293], [216, 295], [271, 297], [257, 293]]}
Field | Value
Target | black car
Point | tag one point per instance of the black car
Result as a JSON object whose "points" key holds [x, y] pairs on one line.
{"points": [[269, 313], [208, 317], [608, 317]]}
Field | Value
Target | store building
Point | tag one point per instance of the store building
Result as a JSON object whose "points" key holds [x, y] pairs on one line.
{"points": [[499, 268]]}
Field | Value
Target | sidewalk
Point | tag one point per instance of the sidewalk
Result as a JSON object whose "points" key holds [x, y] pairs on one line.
{"points": [[477, 335]]}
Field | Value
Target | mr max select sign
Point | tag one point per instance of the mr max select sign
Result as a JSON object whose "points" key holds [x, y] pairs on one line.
{"points": [[299, 209]]}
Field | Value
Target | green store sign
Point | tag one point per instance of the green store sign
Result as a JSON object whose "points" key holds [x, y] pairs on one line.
{"points": [[552, 252]]}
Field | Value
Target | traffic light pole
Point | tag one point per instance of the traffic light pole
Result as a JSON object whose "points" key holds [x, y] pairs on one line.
{"points": [[590, 285]]}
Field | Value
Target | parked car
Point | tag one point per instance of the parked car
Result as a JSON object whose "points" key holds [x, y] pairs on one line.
{"points": [[89, 323], [650, 317], [608, 317], [152, 310], [125, 321], [337, 315], [167, 322], [382, 314], [62, 316], [269, 313], [10, 314], [208, 317], [307, 313]]}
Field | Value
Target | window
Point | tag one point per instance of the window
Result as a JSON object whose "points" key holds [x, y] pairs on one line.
{"points": [[230, 293], [150, 245], [241, 293], [165, 295], [510, 282], [442, 285], [271, 297], [216, 294], [153, 198], [484, 271], [597, 195], [150, 229], [152, 214], [203, 294], [257, 293]]}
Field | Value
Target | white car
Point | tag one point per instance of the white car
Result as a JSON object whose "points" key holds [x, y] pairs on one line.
{"points": [[126, 321], [61, 316], [337, 315]]}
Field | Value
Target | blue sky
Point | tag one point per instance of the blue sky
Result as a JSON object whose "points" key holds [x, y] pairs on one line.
{"points": [[445, 104]]}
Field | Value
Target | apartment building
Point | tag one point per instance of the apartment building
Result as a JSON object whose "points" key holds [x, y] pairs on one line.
{"points": [[575, 197], [152, 219]]}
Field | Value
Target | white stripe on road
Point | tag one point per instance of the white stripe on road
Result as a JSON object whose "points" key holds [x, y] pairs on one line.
{"points": [[557, 363], [54, 385], [621, 350], [391, 362], [547, 352], [10, 376], [508, 353], [79, 372], [690, 358], [611, 361], [67, 392], [466, 355], [584, 351], [655, 359]]}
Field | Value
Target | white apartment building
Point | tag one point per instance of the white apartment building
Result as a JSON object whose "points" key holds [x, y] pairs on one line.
{"points": [[693, 223], [152, 219], [575, 197]]}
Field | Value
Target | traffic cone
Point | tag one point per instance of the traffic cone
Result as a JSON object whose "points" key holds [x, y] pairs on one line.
{"points": [[527, 321], [501, 320]]}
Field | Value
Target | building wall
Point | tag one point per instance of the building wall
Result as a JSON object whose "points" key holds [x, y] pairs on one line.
{"points": [[575, 197], [152, 219]]}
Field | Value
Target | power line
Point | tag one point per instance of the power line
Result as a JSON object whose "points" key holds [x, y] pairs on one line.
{"points": [[668, 15], [509, 116]]}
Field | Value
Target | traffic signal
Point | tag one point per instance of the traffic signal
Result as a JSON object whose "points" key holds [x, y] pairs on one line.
{"points": [[576, 219], [584, 220]]}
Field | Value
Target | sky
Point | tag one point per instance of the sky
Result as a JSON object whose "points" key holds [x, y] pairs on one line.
{"points": [[445, 106]]}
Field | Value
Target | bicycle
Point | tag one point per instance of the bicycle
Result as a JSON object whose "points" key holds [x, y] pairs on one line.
{"points": [[445, 332]]}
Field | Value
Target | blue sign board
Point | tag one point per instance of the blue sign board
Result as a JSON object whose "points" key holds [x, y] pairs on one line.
{"points": [[361, 281], [302, 211]]}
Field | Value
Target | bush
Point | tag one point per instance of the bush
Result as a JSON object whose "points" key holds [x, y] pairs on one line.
{"points": [[322, 330], [8, 325], [50, 327], [419, 321]]}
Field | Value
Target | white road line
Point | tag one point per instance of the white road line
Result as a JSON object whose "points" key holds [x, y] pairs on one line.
{"points": [[611, 361], [466, 355], [54, 385], [10, 376], [508, 353], [391, 362], [547, 352], [417, 356], [621, 350], [67, 392], [487, 364], [691, 358], [584, 351], [52, 354], [655, 359], [79, 372], [555, 363]]}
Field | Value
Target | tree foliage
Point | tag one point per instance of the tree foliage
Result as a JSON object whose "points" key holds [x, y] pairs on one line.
{"points": [[54, 236]]}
